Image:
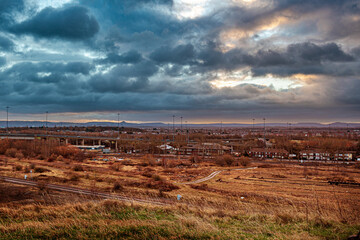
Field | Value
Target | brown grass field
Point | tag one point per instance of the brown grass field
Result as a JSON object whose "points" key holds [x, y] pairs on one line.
{"points": [[274, 201]]}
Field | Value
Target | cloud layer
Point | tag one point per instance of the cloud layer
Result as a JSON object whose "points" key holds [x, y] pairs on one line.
{"points": [[232, 61]]}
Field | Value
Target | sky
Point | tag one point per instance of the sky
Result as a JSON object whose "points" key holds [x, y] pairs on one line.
{"points": [[206, 60]]}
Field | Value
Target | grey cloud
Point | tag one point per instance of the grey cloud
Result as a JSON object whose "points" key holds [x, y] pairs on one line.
{"points": [[356, 52], [182, 54], [128, 57], [2, 61], [6, 44], [312, 53], [124, 78], [49, 67], [297, 58], [7, 9], [72, 23], [173, 60]]}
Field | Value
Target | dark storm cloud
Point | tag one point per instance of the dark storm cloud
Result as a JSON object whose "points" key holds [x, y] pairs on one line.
{"points": [[7, 9], [356, 52], [128, 57], [6, 44], [2, 61], [182, 54], [345, 91], [297, 58], [312, 53], [140, 56], [25, 68], [73, 23], [124, 78]]}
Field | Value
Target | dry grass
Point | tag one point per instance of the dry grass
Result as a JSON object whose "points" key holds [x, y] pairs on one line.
{"points": [[274, 201]]}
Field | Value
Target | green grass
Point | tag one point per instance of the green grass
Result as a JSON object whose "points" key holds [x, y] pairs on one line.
{"points": [[114, 220]]}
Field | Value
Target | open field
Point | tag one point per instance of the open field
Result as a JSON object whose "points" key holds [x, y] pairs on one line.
{"points": [[267, 201]]}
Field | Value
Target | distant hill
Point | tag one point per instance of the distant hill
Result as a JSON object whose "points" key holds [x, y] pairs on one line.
{"points": [[164, 125]]}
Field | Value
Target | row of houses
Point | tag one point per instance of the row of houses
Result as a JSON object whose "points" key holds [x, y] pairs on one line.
{"points": [[202, 149], [313, 154]]}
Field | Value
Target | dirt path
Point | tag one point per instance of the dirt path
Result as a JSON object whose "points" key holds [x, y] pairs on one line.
{"points": [[213, 174]]}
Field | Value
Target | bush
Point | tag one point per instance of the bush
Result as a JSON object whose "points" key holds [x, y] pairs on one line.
{"points": [[156, 177], [78, 168], [79, 156], [357, 165], [74, 177], [116, 166], [18, 167], [19, 155], [226, 160], [244, 161], [41, 170], [60, 158], [117, 186], [149, 160], [11, 152], [229, 160], [220, 161], [52, 158]]}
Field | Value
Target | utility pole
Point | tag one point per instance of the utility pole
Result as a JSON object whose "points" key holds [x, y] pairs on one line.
{"points": [[173, 128], [118, 125], [253, 125], [46, 135], [187, 132], [264, 135], [181, 124], [7, 119], [46, 120]]}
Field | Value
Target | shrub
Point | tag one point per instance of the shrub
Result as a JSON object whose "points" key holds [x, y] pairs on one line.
{"points": [[18, 167], [11, 152], [229, 160], [60, 158], [19, 155], [115, 166], [147, 174], [226, 160], [244, 161], [79, 156], [357, 165], [74, 177], [200, 187], [40, 170], [52, 158], [78, 168], [156, 177], [220, 161], [149, 160], [117, 186]]}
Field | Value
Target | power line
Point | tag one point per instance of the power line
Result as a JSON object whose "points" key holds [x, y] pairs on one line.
{"points": [[181, 118], [118, 124], [173, 128], [7, 119]]}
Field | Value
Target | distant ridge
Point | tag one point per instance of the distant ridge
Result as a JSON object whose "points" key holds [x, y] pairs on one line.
{"points": [[164, 125]]}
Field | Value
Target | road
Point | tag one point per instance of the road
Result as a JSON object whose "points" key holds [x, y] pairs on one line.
{"points": [[80, 191], [213, 174]]}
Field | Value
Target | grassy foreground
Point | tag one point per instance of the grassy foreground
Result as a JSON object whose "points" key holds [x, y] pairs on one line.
{"points": [[115, 220]]}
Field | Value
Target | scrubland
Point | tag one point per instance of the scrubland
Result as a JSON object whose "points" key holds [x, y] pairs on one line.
{"points": [[271, 200]]}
